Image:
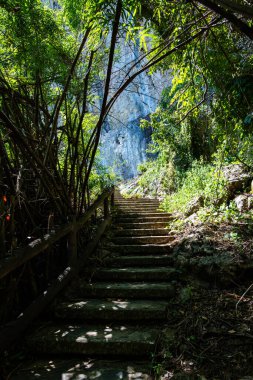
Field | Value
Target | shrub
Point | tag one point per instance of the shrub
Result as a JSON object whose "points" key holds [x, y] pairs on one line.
{"points": [[200, 180]]}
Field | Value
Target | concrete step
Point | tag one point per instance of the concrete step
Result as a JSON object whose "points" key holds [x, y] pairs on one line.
{"points": [[84, 339], [130, 240], [112, 310], [142, 218], [135, 200], [145, 249], [124, 290], [135, 274], [140, 225], [143, 260], [141, 232], [136, 205], [140, 211], [144, 213], [83, 368]]}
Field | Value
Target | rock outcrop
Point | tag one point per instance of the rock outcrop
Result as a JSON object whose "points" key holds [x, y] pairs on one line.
{"points": [[238, 177], [123, 142]]}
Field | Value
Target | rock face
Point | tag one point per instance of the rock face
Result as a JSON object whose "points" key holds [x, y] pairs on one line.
{"points": [[244, 202], [238, 178], [123, 142], [194, 205]]}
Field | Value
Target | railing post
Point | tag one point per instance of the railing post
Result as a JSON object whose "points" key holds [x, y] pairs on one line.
{"points": [[2, 228], [106, 208], [112, 198], [72, 244]]}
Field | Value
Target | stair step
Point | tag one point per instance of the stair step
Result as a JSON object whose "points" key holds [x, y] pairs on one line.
{"points": [[140, 211], [118, 340], [135, 274], [139, 206], [144, 260], [141, 232], [141, 225], [81, 368], [140, 249], [125, 290], [112, 310], [142, 218], [136, 200], [142, 214], [130, 240]]}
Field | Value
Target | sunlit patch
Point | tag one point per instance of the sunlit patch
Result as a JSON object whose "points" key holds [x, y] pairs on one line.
{"points": [[70, 376], [82, 339], [108, 329], [64, 333], [122, 328], [135, 376], [92, 333], [78, 305], [108, 336], [120, 304], [88, 364]]}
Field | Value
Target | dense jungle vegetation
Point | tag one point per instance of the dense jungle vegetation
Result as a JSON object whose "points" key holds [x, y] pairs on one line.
{"points": [[58, 71], [52, 58]]}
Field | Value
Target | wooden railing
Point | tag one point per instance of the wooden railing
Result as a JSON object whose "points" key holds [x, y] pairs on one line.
{"points": [[12, 331]]}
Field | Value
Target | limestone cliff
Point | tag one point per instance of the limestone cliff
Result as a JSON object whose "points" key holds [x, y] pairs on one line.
{"points": [[123, 142]]}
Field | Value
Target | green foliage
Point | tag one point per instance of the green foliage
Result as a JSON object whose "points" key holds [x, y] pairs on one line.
{"points": [[157, 178], [199, 180], [33, 42], [186, 294]]}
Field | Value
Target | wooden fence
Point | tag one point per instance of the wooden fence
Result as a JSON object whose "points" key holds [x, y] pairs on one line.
{"points": [[74, 262]]}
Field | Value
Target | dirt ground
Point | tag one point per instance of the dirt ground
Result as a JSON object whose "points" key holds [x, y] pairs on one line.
{"points": [[210, 321]]}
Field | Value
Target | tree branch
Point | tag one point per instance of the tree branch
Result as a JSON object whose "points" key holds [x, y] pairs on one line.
{"points": [[242, 26]]}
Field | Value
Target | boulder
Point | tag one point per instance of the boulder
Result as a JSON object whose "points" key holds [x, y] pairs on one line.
{"points": [[193, 219], [195, 204], [244, 202], [238, 178]]}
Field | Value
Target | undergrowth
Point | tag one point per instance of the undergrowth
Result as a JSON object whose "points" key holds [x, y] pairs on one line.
{"points": [[201, 180]]}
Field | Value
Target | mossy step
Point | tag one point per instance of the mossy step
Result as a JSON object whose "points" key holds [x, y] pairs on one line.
{"points": [[140, 213], [83, 368], [124, 290], [129, 240], [77, 339], [141, 202], [137, 260], [145, 249], [143, 211], [112, 310], [141, 218], [141, 232], [138, 207], [136, 201], [136, 274], [140, 225]]}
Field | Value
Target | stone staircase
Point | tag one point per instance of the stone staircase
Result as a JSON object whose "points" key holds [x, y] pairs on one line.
{"points": [[115, 312]]}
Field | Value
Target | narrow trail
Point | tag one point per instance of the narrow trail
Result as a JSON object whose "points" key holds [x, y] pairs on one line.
{"points": [[107, 325]]}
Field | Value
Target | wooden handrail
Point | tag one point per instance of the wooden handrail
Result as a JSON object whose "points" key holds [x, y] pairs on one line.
{"points": [[21, 256], [13, 330]]}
